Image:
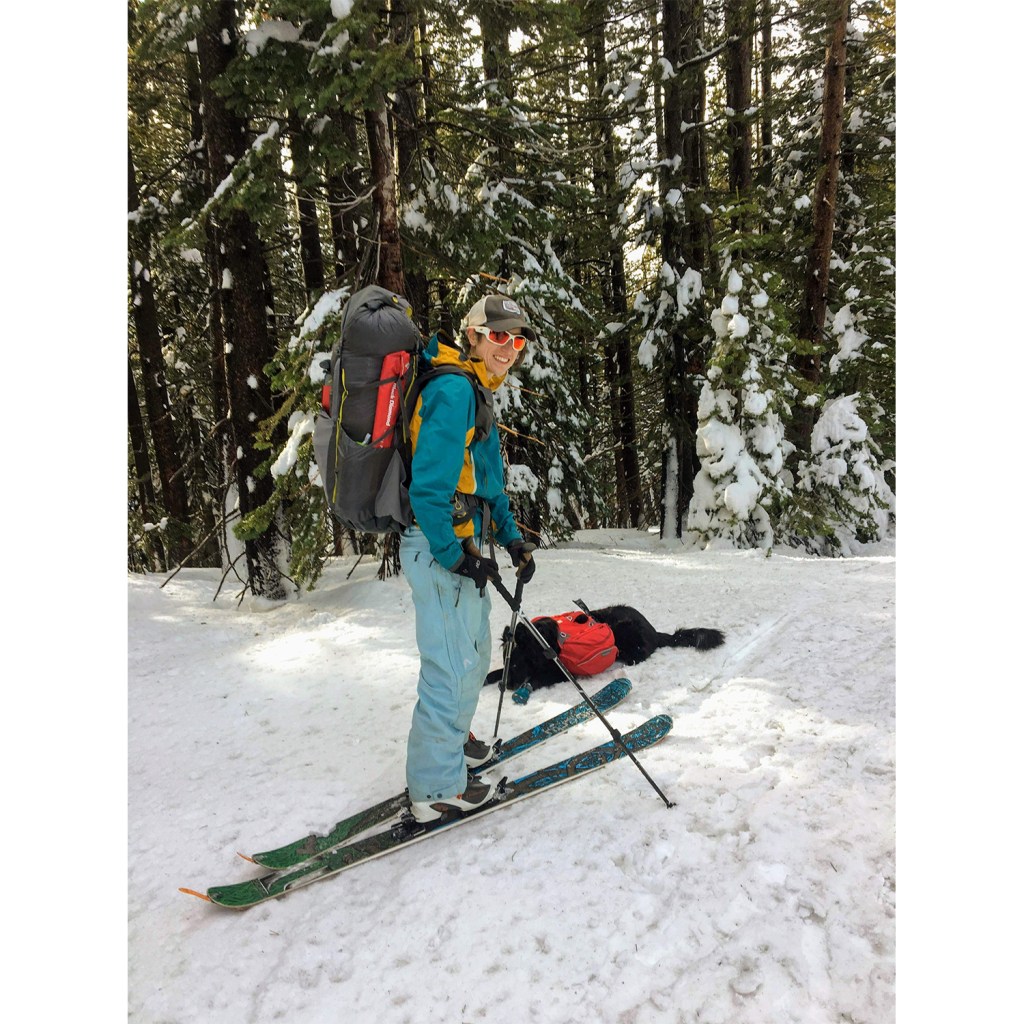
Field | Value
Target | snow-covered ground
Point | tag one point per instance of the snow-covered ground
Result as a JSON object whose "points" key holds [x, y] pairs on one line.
{"points": [[767, 894]]}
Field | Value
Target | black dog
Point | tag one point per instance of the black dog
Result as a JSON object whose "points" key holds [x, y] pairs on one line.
{"points": [[635, 638]]}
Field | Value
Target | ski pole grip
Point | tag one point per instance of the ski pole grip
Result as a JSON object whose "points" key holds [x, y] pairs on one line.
{"points": [[503, 590], [513, 602]]}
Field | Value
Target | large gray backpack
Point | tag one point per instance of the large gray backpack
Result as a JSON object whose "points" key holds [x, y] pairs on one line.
{"points": [[361, 436]]}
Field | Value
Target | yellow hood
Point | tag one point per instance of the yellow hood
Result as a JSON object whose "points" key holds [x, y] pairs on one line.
{"points": [[451, 356]]}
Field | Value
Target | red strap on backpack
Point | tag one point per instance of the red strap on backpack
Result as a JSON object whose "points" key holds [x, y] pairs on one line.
{"points": [[389, 396], [393, 380], [585, 646]]}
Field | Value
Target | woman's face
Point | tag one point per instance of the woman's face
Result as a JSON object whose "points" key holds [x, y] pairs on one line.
{"points": [[497, 359]]}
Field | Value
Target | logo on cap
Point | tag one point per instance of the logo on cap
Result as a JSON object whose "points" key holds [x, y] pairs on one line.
{"points": [[510, 307]]}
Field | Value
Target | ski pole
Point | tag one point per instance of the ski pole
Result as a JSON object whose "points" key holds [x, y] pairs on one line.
{"points": [[509, 646], [517, 616]]}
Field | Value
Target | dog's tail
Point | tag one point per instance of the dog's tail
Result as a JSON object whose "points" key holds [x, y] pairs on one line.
{"points": [[701, 638]]}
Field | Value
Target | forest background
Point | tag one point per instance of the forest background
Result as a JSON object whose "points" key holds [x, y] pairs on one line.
{"points": [[694, 201]]}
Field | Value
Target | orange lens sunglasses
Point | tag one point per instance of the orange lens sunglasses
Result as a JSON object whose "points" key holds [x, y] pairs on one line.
{"points": [[503, 338]]}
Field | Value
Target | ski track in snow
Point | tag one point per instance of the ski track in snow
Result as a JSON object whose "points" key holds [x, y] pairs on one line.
{"points": [[767, 894]]}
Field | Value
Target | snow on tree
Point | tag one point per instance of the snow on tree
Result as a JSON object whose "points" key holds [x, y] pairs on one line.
{"points": [[740, 439], [725, 510], [489, 220], [844, 472]]}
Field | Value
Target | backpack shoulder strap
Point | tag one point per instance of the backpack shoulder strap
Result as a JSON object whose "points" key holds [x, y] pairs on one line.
{"points": [[484, 398]]}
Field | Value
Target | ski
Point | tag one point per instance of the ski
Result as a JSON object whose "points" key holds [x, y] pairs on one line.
{"points": [[309, 846], [407, 831]]}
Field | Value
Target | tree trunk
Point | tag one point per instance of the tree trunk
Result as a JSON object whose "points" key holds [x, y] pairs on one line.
{"points": [[812, 314], [657, 43], [143, 468], [496, 54], [390, 273], [173, 492], [407, 104], [203, 480], [426, 77], [739, 26], [684, 246], [767, 162], [408, 117], [244, 301], [495, 26], [345, 184], [310, 251], [845, 213], [211, 486], [618, 363]]}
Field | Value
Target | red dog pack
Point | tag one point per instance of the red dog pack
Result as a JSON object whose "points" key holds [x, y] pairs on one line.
{"points": [[585, 646]]}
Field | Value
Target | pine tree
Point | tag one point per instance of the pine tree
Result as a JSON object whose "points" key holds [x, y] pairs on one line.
{"points": [[742, 484], [845, 474], [173, 491]]}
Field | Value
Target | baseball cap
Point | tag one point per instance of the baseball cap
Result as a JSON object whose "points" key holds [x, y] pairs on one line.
{"points": [[501, 313]]}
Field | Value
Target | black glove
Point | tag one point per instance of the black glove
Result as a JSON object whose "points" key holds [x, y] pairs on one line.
{"points": [[519, 550], [476, 568]]}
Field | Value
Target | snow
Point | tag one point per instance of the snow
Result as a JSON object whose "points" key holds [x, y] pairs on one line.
{"points": [[739, 326], [520, 479], [281, 31], [416, 221], [765, 894], [300, 425], [329, 304], [633, 89], [850, 340]]}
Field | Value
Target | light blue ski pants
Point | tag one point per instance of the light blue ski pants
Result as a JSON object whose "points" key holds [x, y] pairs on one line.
{"points": [[453, 634]]}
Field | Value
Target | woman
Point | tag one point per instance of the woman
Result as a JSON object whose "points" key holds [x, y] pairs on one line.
{"points": [[458, 495]]}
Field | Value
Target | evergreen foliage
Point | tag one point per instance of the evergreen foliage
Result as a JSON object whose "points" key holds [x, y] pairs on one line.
{"points": [[742, 485], [585, 159]]}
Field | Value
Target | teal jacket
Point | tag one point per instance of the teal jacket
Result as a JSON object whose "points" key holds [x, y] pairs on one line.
{"points": [[446, 457]]}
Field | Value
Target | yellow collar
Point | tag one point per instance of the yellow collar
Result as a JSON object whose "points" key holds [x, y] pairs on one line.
{"points": [[448, 355]]}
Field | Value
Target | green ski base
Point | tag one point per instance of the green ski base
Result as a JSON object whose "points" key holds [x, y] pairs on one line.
{"points": [[406, 832], [310, 846]]}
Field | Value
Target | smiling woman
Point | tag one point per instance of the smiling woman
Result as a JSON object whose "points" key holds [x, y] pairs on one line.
{"points": [[458, 499]]}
